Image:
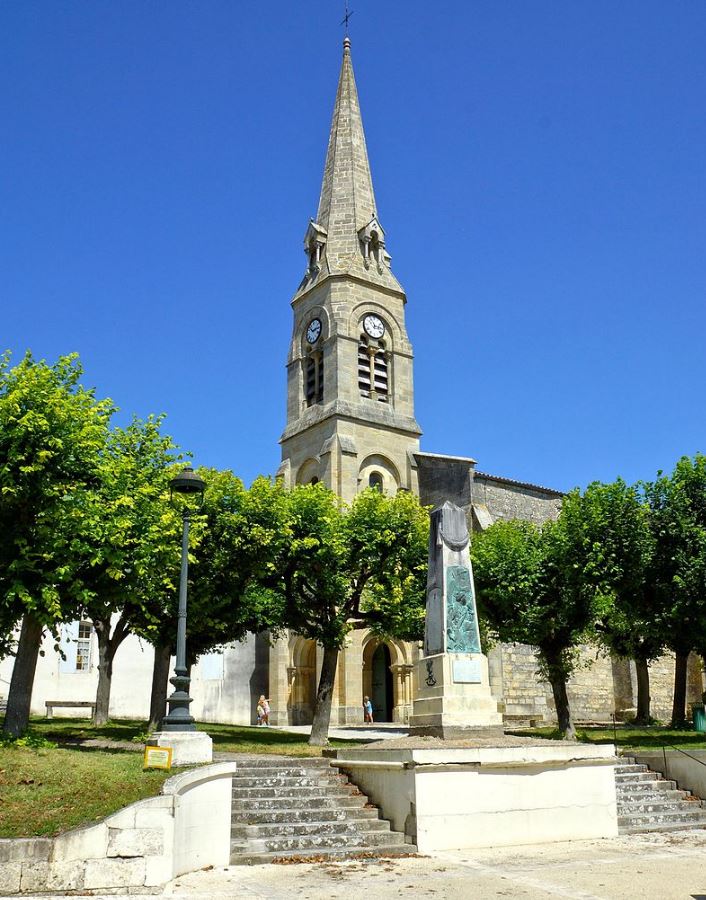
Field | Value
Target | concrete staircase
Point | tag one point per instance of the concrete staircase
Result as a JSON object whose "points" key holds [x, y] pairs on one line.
{"points": [[285, 807], [649, 802]]}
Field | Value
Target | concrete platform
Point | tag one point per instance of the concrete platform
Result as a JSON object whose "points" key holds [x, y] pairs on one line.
{"points": [[451, 796], [364, 733]]}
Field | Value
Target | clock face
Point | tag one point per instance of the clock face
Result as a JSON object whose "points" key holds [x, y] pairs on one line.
{"points": [[313, 331], [374, 326]]}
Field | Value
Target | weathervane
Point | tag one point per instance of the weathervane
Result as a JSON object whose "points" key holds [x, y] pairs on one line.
{"points": [[344, 20]]}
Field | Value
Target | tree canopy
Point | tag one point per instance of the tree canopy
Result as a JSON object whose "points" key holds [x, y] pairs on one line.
{"points": [[53, 432]]}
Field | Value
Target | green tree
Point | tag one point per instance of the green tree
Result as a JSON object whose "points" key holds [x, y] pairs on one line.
{"points": [[52, 434], [678, 508], [336, 568], [532, 589], [128, 535], [231, 555], [620, 561]]}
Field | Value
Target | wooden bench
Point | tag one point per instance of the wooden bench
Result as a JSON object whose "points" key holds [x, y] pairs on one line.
{"points": [[72, 704]]}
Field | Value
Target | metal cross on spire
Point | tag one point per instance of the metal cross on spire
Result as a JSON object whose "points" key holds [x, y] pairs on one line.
{"points": [[344, 20]]}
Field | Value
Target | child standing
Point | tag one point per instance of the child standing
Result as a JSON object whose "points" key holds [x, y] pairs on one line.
{"points": [[367, 710], [263, 710]]}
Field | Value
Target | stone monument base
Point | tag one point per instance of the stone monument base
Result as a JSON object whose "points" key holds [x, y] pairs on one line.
{"points": [[189, 748], [453, 697], [523, 792]]}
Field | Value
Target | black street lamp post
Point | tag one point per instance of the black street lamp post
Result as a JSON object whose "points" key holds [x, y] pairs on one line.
{"points": [[179, 717]]}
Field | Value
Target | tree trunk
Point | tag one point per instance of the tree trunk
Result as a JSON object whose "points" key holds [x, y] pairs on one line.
{"points": [[643, 692], [108, 645], [324, 695], [679, 704], [160, 679], [105, 676], [20, 697], [563, 711]]}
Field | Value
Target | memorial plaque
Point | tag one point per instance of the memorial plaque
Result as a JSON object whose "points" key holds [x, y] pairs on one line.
{"points": [[462, 634], [157, 758], [466, 671]]}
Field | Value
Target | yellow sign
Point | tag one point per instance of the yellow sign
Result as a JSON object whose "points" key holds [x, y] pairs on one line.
{"points": [[158, 758]]}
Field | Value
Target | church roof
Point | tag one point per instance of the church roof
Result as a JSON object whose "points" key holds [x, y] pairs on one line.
{"points": [[485, 476], [347, 213]]}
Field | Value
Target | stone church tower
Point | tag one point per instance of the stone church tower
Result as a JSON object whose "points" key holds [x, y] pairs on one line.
{"points": [[350, 410]]}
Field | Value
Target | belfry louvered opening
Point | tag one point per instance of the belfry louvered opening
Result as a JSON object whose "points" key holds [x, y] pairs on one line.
{"points": [[314, 378], [373, 369]]}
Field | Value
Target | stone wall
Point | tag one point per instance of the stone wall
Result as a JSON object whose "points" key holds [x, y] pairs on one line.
{"points": [[600, 686], [137, 849], [508, 499]]}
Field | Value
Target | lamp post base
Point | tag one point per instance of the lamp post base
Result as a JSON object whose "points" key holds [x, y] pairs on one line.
{"points": [[188, 747]]}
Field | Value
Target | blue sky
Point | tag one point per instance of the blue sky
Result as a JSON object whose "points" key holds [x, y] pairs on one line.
{"points": [[539, 170]]}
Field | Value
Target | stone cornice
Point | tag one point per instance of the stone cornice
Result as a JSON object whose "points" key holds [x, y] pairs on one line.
{"points": [[377, 414], [347, 276]]}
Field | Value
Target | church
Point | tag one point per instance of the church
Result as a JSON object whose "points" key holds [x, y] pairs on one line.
{"points": [[350, 414], [351, 424]]}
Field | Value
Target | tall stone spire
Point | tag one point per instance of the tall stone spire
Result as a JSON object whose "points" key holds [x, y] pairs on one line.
{"points": [[347, 196], [347, 237]]}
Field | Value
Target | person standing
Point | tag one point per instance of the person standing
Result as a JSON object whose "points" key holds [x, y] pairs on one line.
{"points": [[263, 710], [367, 710]]}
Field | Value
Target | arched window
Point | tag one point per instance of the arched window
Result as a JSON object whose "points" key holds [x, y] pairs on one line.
{"points": [[373, 373], [375, 481], [314, 480], [314, 378]]}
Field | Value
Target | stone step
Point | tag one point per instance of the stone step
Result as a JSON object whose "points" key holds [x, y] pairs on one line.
{"points": [[256, 859], [672, 796], [316, 814], [645, 787], [289, 771], [300, 791], [276, 830], [660, 804], [646, 829], [315, 801], [314, 843], [289, 781], [667, 817], [636, 776], [266, 761], [629, 769]]}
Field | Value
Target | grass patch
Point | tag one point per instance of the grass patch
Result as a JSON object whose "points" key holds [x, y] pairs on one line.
{"points": [[651, 737], [43, 792], [226, 738], [46, 791], [250, 739]]}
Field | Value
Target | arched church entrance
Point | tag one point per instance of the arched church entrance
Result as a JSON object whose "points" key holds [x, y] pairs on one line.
{"points": [[302, 682], [382, 689]]}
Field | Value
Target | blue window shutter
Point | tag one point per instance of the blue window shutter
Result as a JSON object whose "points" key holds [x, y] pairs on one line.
{"points": [[69, 636]]}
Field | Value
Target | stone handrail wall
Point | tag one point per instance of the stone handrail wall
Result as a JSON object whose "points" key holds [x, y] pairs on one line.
{"points": [[141, 846]]}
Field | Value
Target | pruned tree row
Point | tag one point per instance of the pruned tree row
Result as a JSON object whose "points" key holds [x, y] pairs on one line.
{"points": [[623, 567], [88, 531]]}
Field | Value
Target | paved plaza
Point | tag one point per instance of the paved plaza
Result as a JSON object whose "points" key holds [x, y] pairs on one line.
{"points": [[646, 867]]}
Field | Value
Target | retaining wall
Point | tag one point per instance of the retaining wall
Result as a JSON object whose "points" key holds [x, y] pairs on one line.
{"points": [[137, 849]]}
